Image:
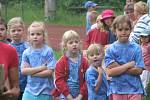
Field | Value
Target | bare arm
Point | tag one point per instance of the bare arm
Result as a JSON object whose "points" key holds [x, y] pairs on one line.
{"points": [[120, 69], [44, 73], [13, 82], [99, 79], [30, 70], [134, 71]]}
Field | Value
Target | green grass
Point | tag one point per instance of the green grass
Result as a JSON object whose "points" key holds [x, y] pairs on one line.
{"points": [[30, 13]]}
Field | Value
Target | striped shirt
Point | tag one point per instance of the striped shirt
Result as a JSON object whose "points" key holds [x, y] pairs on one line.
{"points": [[141, 24]]}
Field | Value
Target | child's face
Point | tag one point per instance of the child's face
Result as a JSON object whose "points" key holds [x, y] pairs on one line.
{"points": [[108, 21], [73, 46], [36, 37], [3, 33], [144, 39], [96, 58], [99, 24], [16, 33], [123, 32]]}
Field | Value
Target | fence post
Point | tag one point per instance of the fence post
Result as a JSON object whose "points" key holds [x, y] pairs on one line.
{"points": [[50, 9]]}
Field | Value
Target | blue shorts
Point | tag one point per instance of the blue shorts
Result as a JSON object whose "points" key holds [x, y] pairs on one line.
{"points": [[29, 96]]}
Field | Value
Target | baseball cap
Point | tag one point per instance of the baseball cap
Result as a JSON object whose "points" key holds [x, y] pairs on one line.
{"points": [[89, 4], [145, 32]]}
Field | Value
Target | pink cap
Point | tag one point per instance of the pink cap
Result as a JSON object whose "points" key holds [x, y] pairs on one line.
{"points": [[108, 14]]}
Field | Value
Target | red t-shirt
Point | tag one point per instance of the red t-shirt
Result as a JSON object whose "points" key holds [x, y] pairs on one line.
{"points": [[8, 57], [96, 36], [146, 55]]}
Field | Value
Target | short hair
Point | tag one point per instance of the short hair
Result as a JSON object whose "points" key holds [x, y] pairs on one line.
{"points": [[94, 49], [141, 7], [120, 20], [37, 24], [15, 20], [69, 35], [3, 22]]}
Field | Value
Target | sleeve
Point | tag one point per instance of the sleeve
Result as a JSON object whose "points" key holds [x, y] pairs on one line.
{"points": [[61, 75], [51, 60], [14, 58], [139, 62], [25, 60], [109, 57], [87, 40], [91, 80]]}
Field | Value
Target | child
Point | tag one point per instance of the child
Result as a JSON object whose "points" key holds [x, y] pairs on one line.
{"points": [[8, 63], [38, 63], [107, 19], [90, 15], [97, 35], [124, 63], [95, 75], [16, 29], [3, 31], [70, 69], [145, 44]]}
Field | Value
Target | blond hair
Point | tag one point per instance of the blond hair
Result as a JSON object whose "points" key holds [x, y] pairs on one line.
{"points": [[15, 21], [41, 26], [141, 7], [95, 49], [69, 35]]}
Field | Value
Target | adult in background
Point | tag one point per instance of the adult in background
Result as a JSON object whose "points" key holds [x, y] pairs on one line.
{"points": [[142, 20], [91, 14], [9, 63]]}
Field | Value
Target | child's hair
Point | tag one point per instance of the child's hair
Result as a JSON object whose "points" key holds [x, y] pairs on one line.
{"points": [[3, 22], [94, 49], [15, 20], [69, 35], [39, 25], [141, 7], [120, 20]]}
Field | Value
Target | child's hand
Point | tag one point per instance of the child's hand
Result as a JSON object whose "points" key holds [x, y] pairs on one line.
{"points": [[100, 70], [69, 97], [131, 64], [79, 97]]}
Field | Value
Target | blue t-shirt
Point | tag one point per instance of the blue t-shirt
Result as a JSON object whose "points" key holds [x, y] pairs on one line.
{"points": [[38, 57], [122, 54], [91, 80], [20, 47]]}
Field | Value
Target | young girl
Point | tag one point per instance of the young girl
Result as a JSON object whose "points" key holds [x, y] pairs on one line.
{"points": [[95, 75], [145, 44], [124, 63], [70, 69], [97, 35], [16, 29], [107, 19], [38, 63]]}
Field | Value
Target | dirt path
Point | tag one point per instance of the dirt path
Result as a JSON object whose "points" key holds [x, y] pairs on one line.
{"points": [[56, 32]]}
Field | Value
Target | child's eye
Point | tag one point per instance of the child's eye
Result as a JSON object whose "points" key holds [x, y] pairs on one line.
{"points": [[70, 42], [127, 29], [120, 29], [76, 41]]}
